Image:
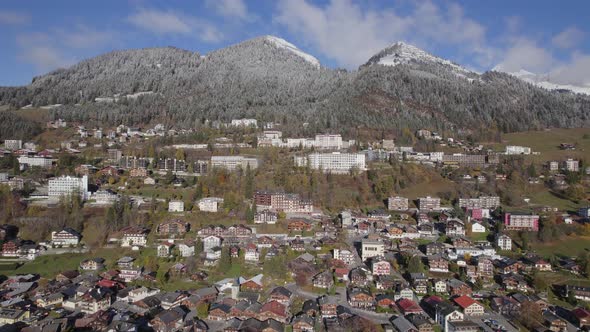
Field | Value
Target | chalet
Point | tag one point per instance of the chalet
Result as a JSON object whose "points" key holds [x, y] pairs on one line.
{"points": [[210, 242], [303, 323], [341, 274], [281, 295], [508, 266], [420, 322], [323, 280], [581, 317], [554, 322], [385, 301], [274, 310], [219, 312], [394, 232], [401, 324], [435, 248], [297, 244], [310, 308], [505, 305], [65, 237], [92, 264], [358, 277], [252, 254], [67, 275], [478, 228], [407, 306], [462, 242], [252, 285], [485, 268], [459, 288], [455, 227], [134, 236], [438, 264], [51, 300], [109, 171], [542, 265], [266, 217], [234, 251], [359, 298], [298, 225], [384, 282], [94, 300], [515, 282], [328, 306], [164, 249], [173, 227], [169, 320], [419, 282], [440, 286], [186, 249], [381, 267], [469, 306], [11, 248], [264, 242]]}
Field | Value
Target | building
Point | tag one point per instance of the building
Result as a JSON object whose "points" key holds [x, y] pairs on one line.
{"points": [[13, 144], [521, 222], [244, 123], [344, 255], [328, 142], [173, 227], [483, 202], [232, 163], [282, 202], [134, 236], [465, 160], [139, 172], [469, 306], [176, 206], [334, 162], [515, 149], [504, 242], [397, 203], [67, 185], [571, 165], [65, 237], [210, 204], [35, 161], [429, 203], [372, 248], [172, 165], [114, 155], [265, 217]]}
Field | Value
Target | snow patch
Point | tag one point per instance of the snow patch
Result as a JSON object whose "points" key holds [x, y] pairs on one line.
{"points": [[402, 53], [283, 44], [544, 81]]}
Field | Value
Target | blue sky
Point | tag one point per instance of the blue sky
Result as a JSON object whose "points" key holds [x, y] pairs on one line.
{"points": [[540, 36]]}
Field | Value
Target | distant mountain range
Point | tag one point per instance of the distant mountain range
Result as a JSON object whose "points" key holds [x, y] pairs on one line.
{"points": [[272, 80], [545, 81]]}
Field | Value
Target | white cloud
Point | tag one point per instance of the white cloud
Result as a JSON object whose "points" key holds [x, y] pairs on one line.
{"points": [[568, 38], [230, 8], [576, 71], [169, 22], [45, 58], [526, 54], [160, 22], [350, 34], [14, 18]]}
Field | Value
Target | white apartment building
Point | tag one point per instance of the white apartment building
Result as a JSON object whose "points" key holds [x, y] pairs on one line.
{"points": [[231, 163], [244, 123], [67, 185], [328, 142], [504, 242], [210, 204], [483, 202], [36, 161], [344, 255], [372, 248], [516, 149], [571, 165], [429, 203], [334, 162], [13, 144], [176, 206], [304, 143], [105, 197]]}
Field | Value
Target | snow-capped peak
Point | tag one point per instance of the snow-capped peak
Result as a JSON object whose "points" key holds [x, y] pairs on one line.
{"points": [[545, 81], [403, 53], [283, 44]]}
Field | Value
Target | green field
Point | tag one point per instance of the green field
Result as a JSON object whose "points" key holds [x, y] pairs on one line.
{"points": [[547, 143], [569, 246], [547, 198]]}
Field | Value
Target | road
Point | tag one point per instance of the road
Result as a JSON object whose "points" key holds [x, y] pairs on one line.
{"points": [[380, 318]]}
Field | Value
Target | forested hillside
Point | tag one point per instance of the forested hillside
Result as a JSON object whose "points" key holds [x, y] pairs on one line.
{"points": [[267, 79]]}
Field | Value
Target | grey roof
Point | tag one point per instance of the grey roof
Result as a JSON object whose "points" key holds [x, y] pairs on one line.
{"points": [[402, 324]]}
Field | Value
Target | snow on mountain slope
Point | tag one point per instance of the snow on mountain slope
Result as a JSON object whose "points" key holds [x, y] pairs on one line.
{"points": [[402, 53], [283, 44], [544, 81]]}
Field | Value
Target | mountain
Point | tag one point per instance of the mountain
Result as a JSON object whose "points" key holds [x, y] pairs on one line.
{"points": [[544, 81], [271, 79]]}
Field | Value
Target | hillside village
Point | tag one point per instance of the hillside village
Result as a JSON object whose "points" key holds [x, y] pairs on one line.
{"points": [[237, 228]]}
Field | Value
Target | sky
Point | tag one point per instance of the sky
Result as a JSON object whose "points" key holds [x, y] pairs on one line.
{"points": [[540, 36]]}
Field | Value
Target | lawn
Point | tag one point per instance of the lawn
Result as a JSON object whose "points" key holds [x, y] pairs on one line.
{"points": [[547, 198], [479, 236], [569, 246]]}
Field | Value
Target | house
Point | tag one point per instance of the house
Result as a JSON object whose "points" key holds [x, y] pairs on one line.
{"points": [[419, 282], [311, 308], [580, 292], [341, 274], [297, 244], [186, 249], [328, 306], [173, 227], [542, 265], [504, 242], [274, 310], [252, 254], [298, 225], [175, 206], [554, 322], [380, 267], [94, 300], [421, 322], [210, 204], [92, 264], [266, 217], [164, 249], [359, 298], [385, 301], [323, 280], [477, 228], [485, 268], [344, 255], [134, 236], [438, 264], [11, 316], [455, 227], [65, 237], [440, 287], [303, 323], [505, 305], [401, 324], [358, 277], [210, 242], [265, 242], [459, 288], [51, 300], [407, 306], [435, 248], [149, 181], [169, 320], [469, 306], [581, 317], [281, 295], [219, 312], [253, 284], [372, 248]]}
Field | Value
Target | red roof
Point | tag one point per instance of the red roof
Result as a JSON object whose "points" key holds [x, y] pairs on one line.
{"points": [[581, 313], [464, 301], [407, 306], [341, 271]]}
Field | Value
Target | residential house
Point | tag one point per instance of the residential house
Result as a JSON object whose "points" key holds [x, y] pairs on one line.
{"points": [[380, 267], [359, 298], [469, 306], [252, 254], [134, 236], [438, 264], [281, 295], [323, 280], [459, 288], [504, 242], [401, 324], [164, 249], [173, 227], [65, 237], [92, 264]]}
